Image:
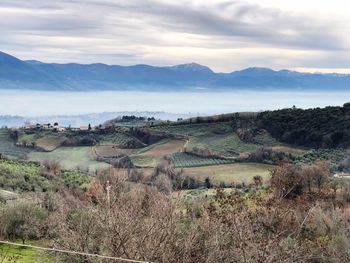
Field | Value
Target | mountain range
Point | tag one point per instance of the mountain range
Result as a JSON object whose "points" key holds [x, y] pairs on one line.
{"points": [[36, 75]]}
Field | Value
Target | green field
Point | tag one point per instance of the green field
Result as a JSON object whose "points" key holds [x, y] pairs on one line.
{"points": [[71, 158], [10, 254], [7, 146], [229, 173], [142, 161]]}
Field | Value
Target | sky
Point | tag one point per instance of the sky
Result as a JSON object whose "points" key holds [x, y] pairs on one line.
{"points": [[226, 35]]}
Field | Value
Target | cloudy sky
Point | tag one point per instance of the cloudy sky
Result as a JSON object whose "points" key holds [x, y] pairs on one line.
{"points": [[225, 35]]}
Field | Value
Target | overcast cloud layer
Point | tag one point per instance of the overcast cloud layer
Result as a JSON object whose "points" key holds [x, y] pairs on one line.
{"points": [[224, 35]]}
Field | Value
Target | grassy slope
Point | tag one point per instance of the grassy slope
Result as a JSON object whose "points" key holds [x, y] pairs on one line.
{"points": [[150, 156], [228, 173], [71, 158], [219, 137], [50, 143], [46, 140]]}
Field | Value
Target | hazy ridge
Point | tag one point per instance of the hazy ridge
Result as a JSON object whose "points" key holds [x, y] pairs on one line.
{"points": [[35, 75]]}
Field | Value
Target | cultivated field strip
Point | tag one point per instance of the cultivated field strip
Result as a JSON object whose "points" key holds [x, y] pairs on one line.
{"points": [[189, 160]]}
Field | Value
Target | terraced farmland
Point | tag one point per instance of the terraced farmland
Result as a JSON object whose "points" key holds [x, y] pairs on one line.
{"points": [[118, 138], [200, 129], [7, 146], [218, 137], [189, 160], [151, 155], [229, 143]]}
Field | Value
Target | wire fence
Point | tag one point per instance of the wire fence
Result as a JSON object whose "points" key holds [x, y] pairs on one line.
{"points": [[73, 252]]}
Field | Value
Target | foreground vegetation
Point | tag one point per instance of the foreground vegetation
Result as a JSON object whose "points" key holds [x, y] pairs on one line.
{"points": [[301, 217], [226, 188]]}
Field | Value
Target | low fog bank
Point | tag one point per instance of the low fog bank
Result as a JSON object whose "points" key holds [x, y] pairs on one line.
{"points": [[85, 119], [79, 108]]}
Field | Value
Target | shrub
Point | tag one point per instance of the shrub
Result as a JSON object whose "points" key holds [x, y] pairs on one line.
{"points": [[23, 221]]}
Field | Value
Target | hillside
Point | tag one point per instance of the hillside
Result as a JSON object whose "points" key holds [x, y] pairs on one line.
{"points": [[326, 128], [295, 135], [32, 74]]}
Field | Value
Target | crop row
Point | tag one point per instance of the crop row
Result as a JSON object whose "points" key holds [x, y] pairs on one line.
{"points": [[189, 160], [195, 129], [116, 138]]}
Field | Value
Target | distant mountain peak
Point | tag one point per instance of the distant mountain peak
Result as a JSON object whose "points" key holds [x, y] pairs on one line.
{"points": [[257, 70], [193, 67], [34, 62]]}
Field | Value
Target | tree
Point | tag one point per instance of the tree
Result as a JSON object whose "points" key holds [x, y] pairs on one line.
{"points": [[208, 183], [163, 183], [258, 180], [347, 105], [316, 175], [53, 167], [23, 221], [308, 176], [345, 165], [287, 181], [322, 173]]}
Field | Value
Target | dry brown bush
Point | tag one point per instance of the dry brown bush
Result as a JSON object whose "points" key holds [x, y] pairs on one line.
{"points": [[140, 222]]}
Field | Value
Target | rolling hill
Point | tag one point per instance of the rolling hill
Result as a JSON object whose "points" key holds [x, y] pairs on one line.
{"points": [[32, 74]]}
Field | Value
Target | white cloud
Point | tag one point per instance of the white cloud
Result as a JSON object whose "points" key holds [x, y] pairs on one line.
{"points": [[225, 35]]}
